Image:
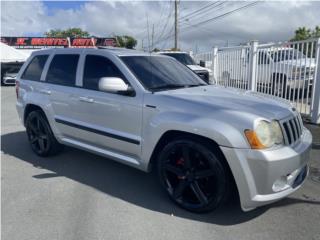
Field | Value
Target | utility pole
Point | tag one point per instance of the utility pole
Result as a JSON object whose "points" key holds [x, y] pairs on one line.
{"points": [[148, 33], [176, 24], [152, 37]]}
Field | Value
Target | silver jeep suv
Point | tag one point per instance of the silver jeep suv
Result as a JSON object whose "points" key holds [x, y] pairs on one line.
{"points": [[152, 112]]}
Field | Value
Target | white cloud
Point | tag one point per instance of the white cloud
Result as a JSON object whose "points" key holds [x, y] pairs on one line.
{"points": [[266, 21], [18, 18]]}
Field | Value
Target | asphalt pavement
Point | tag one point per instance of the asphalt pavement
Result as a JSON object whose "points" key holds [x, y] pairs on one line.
{"points": [[77, 195]]}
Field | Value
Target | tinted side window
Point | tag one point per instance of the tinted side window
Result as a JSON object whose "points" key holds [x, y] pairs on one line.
{"points": [[97, 67], [35, 67], [63, 69]]}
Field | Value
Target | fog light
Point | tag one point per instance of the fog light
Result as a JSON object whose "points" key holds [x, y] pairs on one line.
{"points": [[285, 182], [280, 184]]}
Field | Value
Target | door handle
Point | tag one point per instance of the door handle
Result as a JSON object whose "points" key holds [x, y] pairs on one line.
{"points": [[48, 92], [86, 99]]}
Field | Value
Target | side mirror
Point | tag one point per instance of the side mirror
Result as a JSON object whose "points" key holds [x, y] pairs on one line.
{"points": [[115, 85], [202, 63]]}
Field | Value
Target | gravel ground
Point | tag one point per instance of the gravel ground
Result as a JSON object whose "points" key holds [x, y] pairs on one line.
{"points": [[78, 195]]}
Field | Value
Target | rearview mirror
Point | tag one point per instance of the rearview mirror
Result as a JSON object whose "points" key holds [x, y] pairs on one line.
{"points": [[115, 85]]}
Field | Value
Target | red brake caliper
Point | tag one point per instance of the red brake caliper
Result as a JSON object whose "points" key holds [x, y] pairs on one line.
{"points": [[180, 162]]}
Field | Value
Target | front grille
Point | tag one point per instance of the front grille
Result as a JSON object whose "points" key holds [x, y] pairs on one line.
{"points": [[204, 75], [292, 129]]}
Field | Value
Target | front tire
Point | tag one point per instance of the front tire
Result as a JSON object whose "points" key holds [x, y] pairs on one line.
{"points": [[194, 175], [40, 135]]}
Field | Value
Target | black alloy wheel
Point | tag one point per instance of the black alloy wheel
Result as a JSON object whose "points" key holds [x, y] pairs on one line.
{"points": [[40, 136], [193, 175]]}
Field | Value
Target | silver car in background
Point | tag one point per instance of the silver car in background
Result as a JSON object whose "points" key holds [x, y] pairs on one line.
{"points": [[152, 112], [185, 58]]}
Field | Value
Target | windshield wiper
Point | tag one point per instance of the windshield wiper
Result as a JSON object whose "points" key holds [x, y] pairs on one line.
{"points": [[167, 86], [196, 85], [175, 86]]}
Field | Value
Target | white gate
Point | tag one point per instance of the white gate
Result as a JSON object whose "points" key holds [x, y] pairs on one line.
{"points": [[289, 70]]}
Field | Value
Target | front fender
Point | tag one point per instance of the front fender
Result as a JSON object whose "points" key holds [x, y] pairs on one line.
{"points": [[157, 125]]}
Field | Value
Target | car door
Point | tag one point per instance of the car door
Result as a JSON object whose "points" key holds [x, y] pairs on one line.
{"points": [[107, 121], [262, 71], [60, 85]]}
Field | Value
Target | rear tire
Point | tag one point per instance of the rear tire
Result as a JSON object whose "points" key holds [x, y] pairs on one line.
{"points": [[40, 135], [194, 175]]}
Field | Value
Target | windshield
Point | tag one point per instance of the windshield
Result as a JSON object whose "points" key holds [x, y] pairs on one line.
{"points": [[184, 58], [161, 73], [14, 69], [288, 54]]}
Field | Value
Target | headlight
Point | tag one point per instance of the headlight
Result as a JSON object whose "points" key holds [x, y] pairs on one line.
{"points": [[265, 135]]}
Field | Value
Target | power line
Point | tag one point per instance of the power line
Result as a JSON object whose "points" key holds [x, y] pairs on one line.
{"points": [[145, 31], [200, 9], [167, 21], [226, 14], [168, 35], [213, 19], [164, 42], [205, 11]]}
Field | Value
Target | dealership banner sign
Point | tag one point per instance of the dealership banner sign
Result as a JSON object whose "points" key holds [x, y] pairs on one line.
{"points": [[48, 42]]}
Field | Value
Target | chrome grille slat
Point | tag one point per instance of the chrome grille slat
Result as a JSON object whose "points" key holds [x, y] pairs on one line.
{"points": [[297, 126], [292, 129], [290, 132]]}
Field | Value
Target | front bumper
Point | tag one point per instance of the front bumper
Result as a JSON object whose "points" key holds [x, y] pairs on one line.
{"points": [[265, 176], [9, 80], [299, 83]]}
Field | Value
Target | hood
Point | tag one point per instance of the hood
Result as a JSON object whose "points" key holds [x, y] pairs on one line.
{"points": [[234, 101], [10, 74], [198, 68], [305, 62]]}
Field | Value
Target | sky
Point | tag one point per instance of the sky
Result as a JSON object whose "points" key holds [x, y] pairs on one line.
{"points": [[199, 27]]}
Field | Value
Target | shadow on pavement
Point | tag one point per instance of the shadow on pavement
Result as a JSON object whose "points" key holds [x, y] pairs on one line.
{"points": [[120, 181]]}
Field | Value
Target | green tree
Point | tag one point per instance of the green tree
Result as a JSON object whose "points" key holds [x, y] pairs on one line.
{"points": [[303, 33], [70, 32], [126, 41], [316, 32]]}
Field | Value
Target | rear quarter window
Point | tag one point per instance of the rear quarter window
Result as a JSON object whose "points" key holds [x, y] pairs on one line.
{"points": [[63, 69], [35, 67]]}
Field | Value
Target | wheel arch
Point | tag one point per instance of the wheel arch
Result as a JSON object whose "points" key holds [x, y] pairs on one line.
{"points": [[279, 75], [30, 108], [171, 135]]}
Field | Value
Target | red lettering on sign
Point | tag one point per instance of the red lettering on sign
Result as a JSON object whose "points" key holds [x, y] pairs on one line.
{"points": [[62, 42], [49, 41], [82, 42], [21, 41]]}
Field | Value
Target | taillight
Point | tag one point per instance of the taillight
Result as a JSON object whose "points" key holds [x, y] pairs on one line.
{"points": [[17, 88]]}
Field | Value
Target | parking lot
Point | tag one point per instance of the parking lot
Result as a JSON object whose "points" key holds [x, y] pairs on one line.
{"points": [[78, 195]]}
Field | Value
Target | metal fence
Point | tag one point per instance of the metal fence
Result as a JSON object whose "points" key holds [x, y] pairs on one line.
{"points": [[289, 70]]}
